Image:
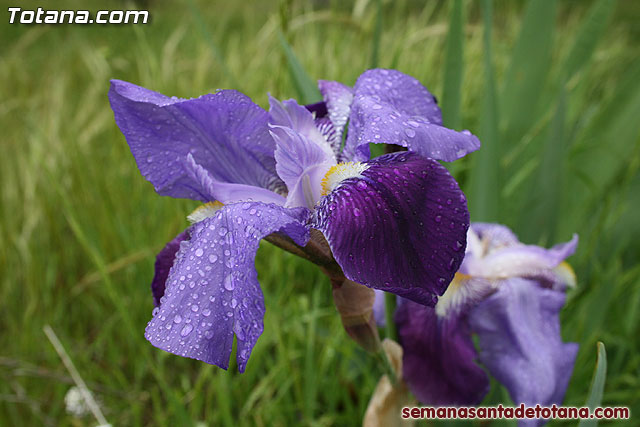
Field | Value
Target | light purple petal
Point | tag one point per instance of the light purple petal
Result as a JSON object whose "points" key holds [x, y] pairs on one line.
{"points": [[228, 193], [302, 155], [520, 341], [438, 361], [337, 98], [225, 132], [494, 235], [523, 261], [393, 108], [379, 309], [401, 227], [164, 262], [212, 290], [401, 91]]}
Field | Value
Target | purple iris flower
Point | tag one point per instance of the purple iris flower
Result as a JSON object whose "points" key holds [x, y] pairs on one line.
{"points": [[397, 222], [510, 295]]}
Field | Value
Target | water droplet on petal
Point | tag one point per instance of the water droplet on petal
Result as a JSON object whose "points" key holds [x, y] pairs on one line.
{"points": [[199, 252], [186, 330], [177, 319], [228, 283]]}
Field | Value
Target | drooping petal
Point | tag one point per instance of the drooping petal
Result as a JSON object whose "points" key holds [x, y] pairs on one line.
{"points": [[492, 236], [337, 98], [225, 192], [520, 342], [212, 290], [164, 262], [225, 132], [302, 154], [393, 108], [439, 357], [528, 261], [463, 293], [400, 226]]}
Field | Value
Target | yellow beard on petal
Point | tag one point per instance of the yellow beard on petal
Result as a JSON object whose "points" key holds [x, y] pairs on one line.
{"points": [[339, 173], [204, 211]]}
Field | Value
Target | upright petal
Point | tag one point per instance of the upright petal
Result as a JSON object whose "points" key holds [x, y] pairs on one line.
{"points": [[225, 132], [337, 98], [212, 290], [302, 155], [439, 357], [520, 342], [400, 226], [164, 262], [393, 108]]}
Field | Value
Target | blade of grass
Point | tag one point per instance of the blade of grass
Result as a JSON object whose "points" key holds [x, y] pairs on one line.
{"points": [[597, 385], [308, 93], [206, 34], [377, 34], [484, 199], [528, 68], [453, 68], [541, 214], [590, 32]]}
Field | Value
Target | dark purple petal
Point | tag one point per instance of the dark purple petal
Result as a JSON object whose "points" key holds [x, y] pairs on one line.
{"points": [[164, 262], [520, 342], [400, 227], [212, 290], [225, 132], [393, 108], [319, 109], [438, 362], [337, 98]]}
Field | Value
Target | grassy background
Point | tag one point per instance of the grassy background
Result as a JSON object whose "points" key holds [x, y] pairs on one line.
{"points": [[551, 88]]}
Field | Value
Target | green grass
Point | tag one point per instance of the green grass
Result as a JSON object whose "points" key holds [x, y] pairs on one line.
{"points": [[79, 226]]}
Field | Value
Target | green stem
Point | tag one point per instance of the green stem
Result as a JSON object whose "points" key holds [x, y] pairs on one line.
{"points": [[389, 310]]}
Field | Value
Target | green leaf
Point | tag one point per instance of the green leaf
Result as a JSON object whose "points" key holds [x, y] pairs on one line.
{"points": [[308, 92], [528, 68], [202, 26], [377, 34], [484, 198], [597, 385], [590, 32], [540, 218], [453, 68]]}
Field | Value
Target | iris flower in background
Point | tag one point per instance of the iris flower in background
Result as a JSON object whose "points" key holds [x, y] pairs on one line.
{"points": [[510, 295], [397, 222]]}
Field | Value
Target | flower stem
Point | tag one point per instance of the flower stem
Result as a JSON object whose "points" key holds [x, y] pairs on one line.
{"points": [[389, 309]]}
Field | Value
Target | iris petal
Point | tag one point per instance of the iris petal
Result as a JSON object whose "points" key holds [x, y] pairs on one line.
{"points": [[225, 192], [302, 153], [164, 261], [337, 98], [401, 227], [520, 342], [393, 108], [225, 132], [212, 290], [521, 260], [439, 357]]}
